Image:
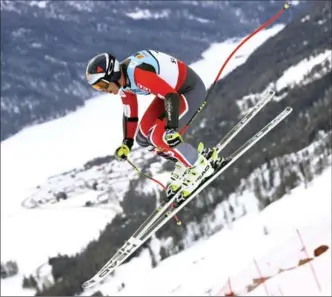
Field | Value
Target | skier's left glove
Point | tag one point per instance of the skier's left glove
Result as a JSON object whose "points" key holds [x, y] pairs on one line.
{"points": [[173, 138], [122, 152]]}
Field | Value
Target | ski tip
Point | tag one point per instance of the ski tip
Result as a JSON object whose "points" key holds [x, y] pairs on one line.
{"points": [[289, 109], [286, 6], [87, 284]]}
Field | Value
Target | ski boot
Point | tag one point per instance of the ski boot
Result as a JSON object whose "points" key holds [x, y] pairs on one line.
{"points": [[207, 164], [211, 154], [177, 177]]}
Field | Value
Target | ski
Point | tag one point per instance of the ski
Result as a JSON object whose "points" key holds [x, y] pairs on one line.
{"points": [[231, 159], [266, 97], [134, 243], [146, 224]]}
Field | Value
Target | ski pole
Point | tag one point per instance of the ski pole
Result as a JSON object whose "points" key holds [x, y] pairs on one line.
{"points": [[261, 27], [178, 221]]}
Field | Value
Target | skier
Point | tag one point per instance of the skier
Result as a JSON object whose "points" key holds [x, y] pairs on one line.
{"points": [[179, 92]]}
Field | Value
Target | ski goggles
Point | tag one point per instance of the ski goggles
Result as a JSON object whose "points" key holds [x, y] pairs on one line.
{"points": [[101, 85]]}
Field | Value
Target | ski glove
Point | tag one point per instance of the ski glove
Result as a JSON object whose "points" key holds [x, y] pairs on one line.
{"points": [[173, 138], [122, 152]]}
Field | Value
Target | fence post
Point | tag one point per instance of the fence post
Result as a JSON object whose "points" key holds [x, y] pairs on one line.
{"points": [[310, 262]]}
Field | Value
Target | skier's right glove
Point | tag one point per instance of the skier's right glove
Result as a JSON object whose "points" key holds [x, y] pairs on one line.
{"points": [[122, 152]]}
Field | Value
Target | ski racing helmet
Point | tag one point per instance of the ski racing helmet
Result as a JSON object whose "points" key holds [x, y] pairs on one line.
{"points": [[101, 70]]}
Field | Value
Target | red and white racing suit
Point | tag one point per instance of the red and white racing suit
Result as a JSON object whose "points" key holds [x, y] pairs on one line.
{"points": [[153, 72]]}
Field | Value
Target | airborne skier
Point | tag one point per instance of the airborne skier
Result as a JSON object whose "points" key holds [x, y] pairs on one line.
{"points": [[179, 93], [179, 97]]}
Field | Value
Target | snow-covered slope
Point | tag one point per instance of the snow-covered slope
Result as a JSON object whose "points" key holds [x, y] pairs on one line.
{"points": [[30, 157], [300, 74], [227, 260], [269, 237]]}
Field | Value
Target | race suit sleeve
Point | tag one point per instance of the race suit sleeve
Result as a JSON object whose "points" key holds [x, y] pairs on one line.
{"points": [[151, 82], [130, 117]]}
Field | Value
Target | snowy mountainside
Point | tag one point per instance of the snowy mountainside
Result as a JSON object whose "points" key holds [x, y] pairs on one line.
{"points": [[106, 183], [266, 184], [304, 72], [111, 238], [66, 143], [55, 39], [306, 38], [273, 242], [311, 102]]}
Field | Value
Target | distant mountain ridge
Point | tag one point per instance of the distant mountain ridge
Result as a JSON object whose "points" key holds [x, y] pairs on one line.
{"points": [[46, 44]]}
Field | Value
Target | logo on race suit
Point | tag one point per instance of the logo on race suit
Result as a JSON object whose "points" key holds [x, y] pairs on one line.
{"points": [[169, 109], [139, 56], [125, 251], [143, 88], [173, 60]]}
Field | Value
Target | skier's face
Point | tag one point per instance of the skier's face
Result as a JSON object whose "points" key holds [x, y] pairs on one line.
{"points": [[112, 88]]}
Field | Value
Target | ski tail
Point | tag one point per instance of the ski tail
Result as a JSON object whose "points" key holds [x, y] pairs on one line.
{"points": [[129, 247]]}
